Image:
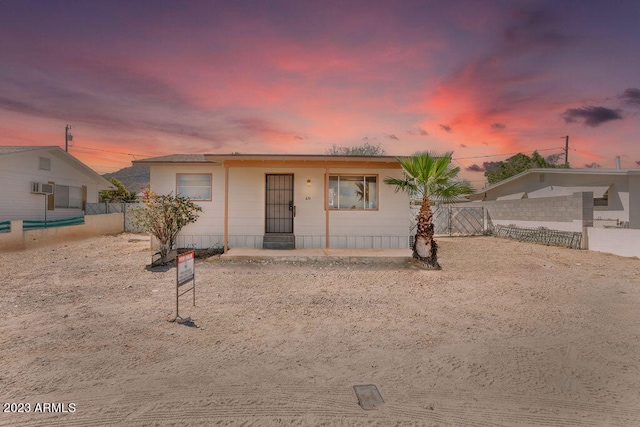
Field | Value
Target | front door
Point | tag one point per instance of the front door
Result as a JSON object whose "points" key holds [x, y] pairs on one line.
{"points": [[279, 204]]}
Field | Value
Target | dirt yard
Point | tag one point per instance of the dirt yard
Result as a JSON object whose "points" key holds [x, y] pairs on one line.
{"points": [[508, 334]]}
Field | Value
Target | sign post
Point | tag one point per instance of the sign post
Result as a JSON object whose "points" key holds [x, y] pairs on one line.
{"points": [[185, 273]]}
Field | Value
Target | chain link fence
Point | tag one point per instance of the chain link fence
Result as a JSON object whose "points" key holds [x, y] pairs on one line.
{"points": [[453, 220], [449, 220]]}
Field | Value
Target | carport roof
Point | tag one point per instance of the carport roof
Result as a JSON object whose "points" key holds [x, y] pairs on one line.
{"points": [[555, 190]]}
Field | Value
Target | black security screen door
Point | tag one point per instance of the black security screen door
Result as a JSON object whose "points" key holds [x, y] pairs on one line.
{"points": [[279, 208]]}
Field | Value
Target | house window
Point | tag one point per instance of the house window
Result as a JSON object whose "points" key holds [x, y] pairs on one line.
{"points": [[355, 192], [45, 164], [195, 186], [66, 196]]}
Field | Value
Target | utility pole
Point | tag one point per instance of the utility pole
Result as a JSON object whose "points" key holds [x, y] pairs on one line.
{"points": [[566, 151], [67, 137]]}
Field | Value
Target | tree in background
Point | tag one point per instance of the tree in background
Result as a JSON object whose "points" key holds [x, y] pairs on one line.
{"points": [[519, 163], [120, 194], [164, 216], [362, 150], [429, 176]]}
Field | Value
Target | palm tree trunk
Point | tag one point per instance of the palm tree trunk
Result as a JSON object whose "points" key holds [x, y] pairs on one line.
{"points": [[425, 249]]}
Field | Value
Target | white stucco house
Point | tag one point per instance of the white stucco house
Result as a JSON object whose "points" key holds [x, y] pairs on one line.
{"points": [[287, 201], [45, 182], [616, 192]]}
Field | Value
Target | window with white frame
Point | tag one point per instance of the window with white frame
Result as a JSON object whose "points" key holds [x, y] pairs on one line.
{"points": [[353, 192], [195, 186], [67, 196]]}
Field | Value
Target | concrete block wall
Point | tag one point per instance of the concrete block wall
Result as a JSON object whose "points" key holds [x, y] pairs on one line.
{"points": [[564, 213], [586, 203]]}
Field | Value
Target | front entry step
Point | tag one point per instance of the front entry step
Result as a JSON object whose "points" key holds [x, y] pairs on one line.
{"points": [[278, 241]]}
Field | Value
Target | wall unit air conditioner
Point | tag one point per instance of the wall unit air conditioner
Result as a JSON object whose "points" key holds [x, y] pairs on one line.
{"points": [[41, 188]]}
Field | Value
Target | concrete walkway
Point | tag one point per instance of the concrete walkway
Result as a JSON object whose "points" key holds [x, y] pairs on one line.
{"points": [[399, 256]]}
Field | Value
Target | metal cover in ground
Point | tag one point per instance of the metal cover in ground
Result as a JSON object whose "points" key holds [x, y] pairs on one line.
{"points": [[368, 396]]}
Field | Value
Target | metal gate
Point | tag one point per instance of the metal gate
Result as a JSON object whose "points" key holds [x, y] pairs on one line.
{"points": [[454, 220], [279, 209]]}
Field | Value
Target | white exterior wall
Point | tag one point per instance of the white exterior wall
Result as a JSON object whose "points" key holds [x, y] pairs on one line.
{"points": [[617, 241], [19, 170], [310, 221], [387, 227], [247, 198], [207, 231], [634, 201], [618, 209], [526, 183]]}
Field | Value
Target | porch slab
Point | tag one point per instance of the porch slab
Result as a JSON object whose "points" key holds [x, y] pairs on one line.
{"points": [[364, 256]]}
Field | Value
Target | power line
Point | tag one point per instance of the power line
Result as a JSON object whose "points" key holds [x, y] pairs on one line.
{"points": [[108, 151], [504, 154], [454, 158]]}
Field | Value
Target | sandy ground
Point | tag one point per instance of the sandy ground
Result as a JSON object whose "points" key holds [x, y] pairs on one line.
{"points": [[508, 334]]}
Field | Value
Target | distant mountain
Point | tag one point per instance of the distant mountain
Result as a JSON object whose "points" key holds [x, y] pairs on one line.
{"points": [[134, 178]]}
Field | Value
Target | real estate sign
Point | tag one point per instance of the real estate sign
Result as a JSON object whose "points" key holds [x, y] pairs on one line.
{"points": [[185, 273]]}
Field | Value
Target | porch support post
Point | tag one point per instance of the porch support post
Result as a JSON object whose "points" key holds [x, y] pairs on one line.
{"points": [[226, 208], [326, 209]]}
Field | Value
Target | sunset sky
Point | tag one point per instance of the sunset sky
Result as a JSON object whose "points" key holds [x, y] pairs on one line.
{"points": [[483, 78]]}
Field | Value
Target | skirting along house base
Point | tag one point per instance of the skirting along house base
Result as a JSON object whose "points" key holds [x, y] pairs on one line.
{"points": [[287, 201]]}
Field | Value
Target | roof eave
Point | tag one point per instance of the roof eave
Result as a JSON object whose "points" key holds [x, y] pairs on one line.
{"points": [[149, 162], [254, 160], [300, 157]]}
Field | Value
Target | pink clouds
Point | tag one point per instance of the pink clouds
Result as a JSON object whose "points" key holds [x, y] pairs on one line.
{"points": [[273, 77], [500, 99]]}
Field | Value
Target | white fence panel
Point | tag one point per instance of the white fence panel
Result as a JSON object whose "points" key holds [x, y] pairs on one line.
{"points": [[617, 241]]}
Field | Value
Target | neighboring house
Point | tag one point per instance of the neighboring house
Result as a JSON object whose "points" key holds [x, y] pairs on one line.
{"points": [[287, 201], [616, 192], [45, 182]]}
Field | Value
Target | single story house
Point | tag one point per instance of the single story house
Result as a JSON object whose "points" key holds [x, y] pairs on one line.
{"points": [[287, 201], [616, 192], [45, 183]]}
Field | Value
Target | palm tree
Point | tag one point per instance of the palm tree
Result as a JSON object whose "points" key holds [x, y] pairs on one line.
{"points": [[363, 193], [430, 177]]}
